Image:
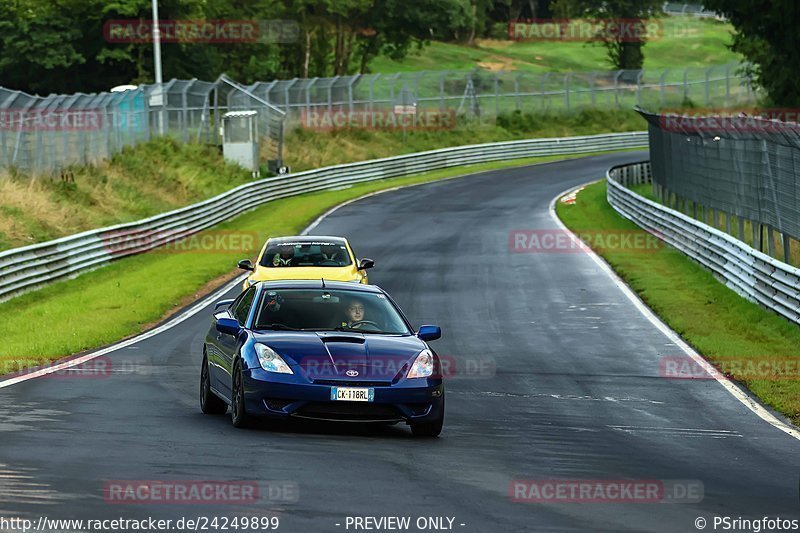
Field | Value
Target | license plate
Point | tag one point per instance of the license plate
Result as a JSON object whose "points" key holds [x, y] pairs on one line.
{"points": [[352, 394]]}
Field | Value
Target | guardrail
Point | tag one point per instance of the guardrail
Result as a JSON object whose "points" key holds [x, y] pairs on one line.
{"points": [[752, 274], [22, 269]]}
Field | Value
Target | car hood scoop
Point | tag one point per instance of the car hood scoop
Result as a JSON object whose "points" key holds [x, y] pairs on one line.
{"points": [[356, 338]]}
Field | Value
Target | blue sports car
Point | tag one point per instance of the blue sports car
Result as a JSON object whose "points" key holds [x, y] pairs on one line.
{"points": [[321, 350]]}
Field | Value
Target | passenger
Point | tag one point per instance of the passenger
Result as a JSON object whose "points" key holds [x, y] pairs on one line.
{"points": [[330, 252], [284, 257]]}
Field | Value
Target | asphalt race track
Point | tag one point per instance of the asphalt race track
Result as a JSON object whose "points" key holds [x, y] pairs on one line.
{"points": [[558, 378]]}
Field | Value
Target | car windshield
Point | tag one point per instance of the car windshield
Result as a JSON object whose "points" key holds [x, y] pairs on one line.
{"points": [[311, 253], [328, 310]]}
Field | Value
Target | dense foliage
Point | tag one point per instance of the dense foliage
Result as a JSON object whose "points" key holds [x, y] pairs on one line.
{"points": [[766, 36], [63, 46]]}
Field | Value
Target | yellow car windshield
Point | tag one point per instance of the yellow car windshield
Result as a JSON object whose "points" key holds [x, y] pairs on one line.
{"points": [[306, 254]]}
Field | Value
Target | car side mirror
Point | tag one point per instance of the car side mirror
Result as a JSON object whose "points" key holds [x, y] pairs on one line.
{"points": [[229, 326], [365, 264], [223, 303], [246, 264], [429, 333]]}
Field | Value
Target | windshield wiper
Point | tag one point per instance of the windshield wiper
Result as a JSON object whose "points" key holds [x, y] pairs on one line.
{"points": [[357, 330], [279, 327]]}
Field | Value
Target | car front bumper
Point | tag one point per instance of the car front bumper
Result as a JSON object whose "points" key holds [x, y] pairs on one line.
{"points": [[288, 396]]}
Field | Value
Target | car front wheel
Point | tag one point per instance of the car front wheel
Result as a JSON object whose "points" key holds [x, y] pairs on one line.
{"points": [[210, 403]]}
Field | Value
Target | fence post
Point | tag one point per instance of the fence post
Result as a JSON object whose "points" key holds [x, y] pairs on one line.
{"points": [[685, 85], [787, 248], [542, 92], [441, 92], [727, 84], [372, 92], [185, 111], [497, 93], [566, 89], [308, 94], [757, 231], [770, 241], [639, 87], [330, 93]]}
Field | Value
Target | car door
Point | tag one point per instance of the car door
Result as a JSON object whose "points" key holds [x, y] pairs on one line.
{"points": [[227, 344]]}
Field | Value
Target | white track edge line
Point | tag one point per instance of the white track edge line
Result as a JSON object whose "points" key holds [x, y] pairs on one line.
{"points": [[202, 304], [190, 312], [736, 391]]}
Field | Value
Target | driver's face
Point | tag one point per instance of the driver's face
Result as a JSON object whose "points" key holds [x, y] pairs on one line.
{"points": [[355, 312]]}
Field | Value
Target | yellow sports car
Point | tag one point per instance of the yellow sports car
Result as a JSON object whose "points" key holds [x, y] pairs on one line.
{"points": [[306, 257]]}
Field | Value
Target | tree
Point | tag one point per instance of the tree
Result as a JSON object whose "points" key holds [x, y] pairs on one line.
{"points": [[615, 18], [766, 35]]}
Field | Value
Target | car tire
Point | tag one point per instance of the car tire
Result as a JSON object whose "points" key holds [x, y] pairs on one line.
{"points": [[429, 429], [239, 415], [210, 403]]}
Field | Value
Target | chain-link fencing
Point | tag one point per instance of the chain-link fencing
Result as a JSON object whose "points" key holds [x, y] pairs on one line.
{"points": [[738, 172], [46, 134], [488, 93]]}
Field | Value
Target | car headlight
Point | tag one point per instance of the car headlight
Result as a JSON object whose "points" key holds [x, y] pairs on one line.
{"points": [[271, 361], [423, 365]]}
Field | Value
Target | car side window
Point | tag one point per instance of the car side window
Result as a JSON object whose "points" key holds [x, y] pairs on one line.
{"points": [[242, 308]]}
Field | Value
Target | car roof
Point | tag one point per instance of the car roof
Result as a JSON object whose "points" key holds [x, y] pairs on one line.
{"points": [[318, 284], [307, 238]]}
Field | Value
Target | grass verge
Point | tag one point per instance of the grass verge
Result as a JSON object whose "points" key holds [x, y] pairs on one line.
{"points": [[165, 174], [734, 334], [306, 149], [122, 299], [685, 41]]}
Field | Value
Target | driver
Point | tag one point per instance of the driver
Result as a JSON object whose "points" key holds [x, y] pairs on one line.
{"points": [[284, 256], [329, 252], [354, 314]]}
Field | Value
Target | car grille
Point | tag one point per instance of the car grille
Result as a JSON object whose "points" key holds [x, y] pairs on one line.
{"points": [[346, 411], [342, 383], [277, 404]]}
